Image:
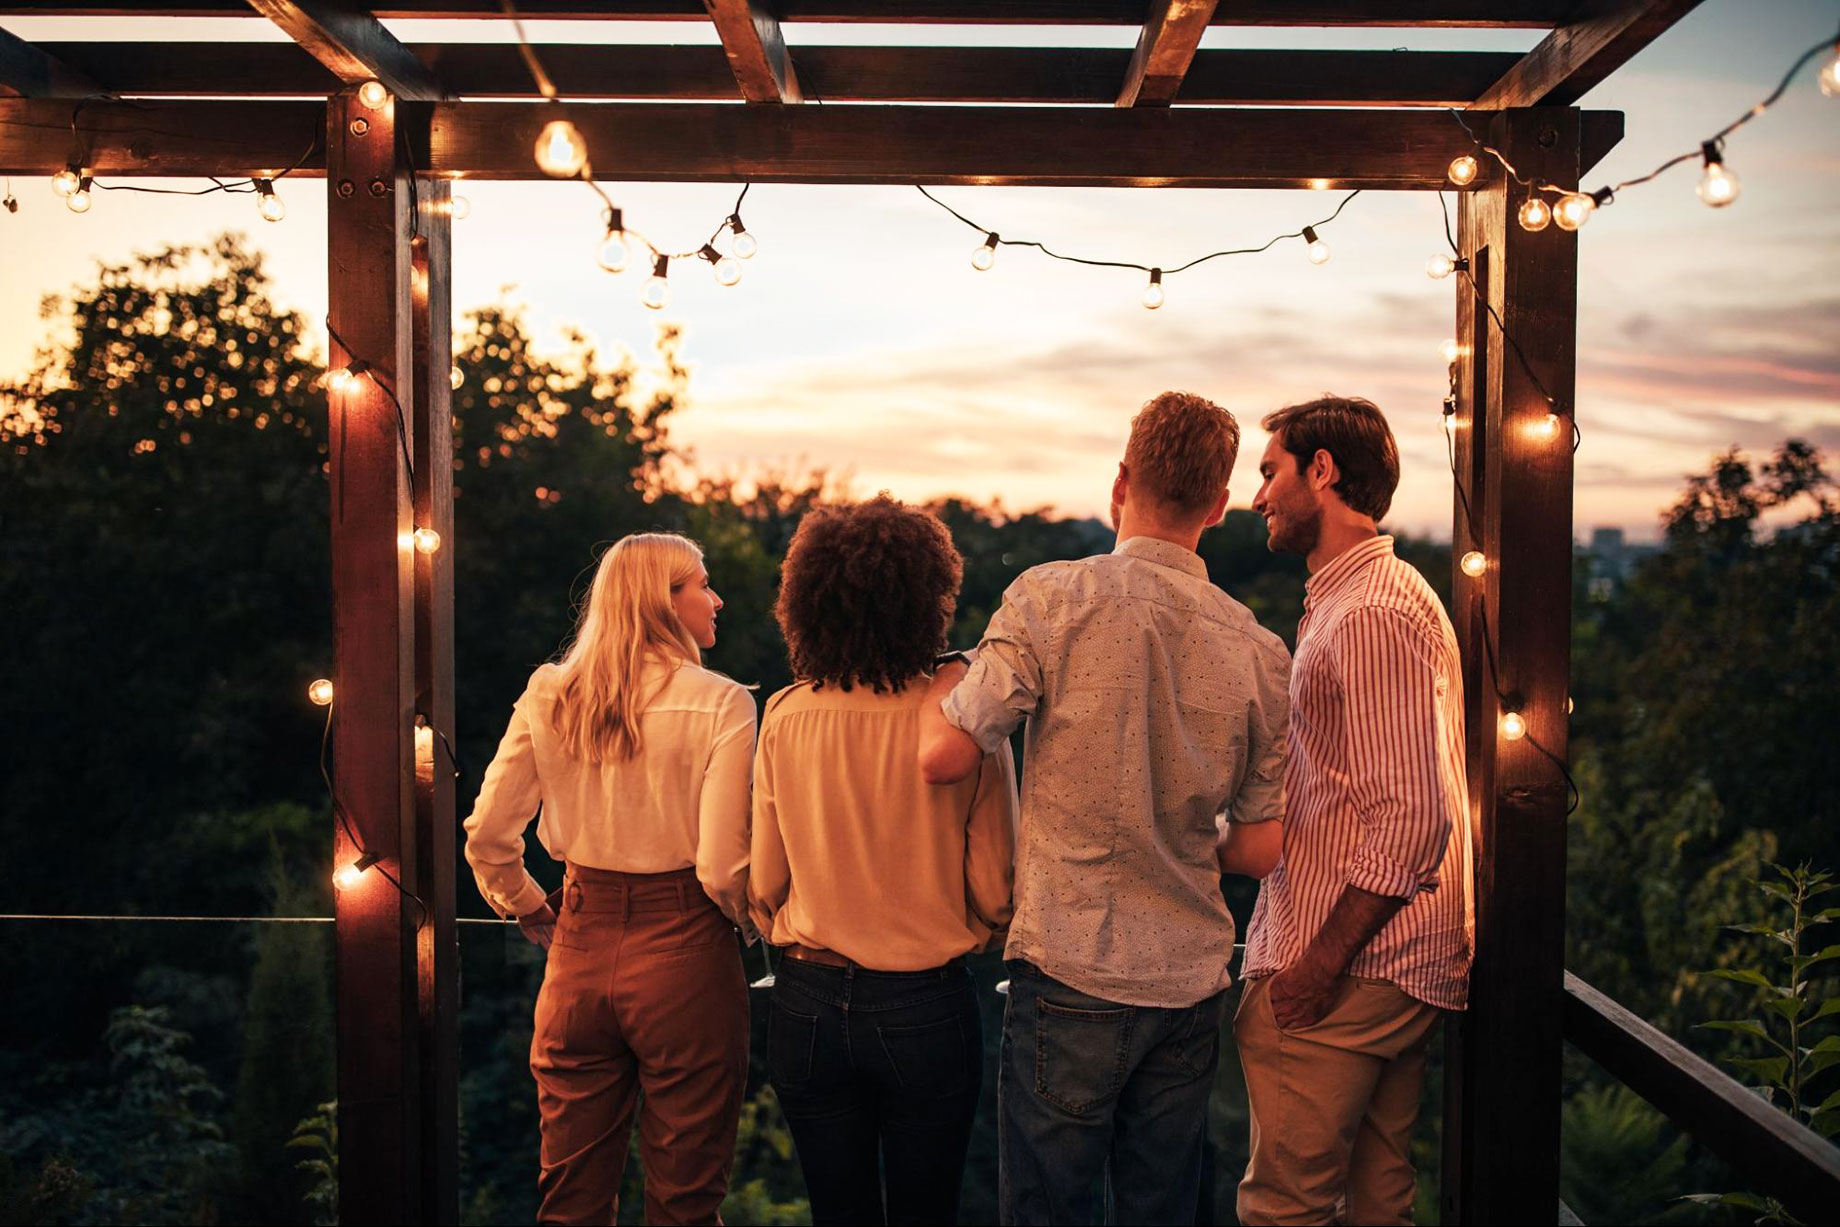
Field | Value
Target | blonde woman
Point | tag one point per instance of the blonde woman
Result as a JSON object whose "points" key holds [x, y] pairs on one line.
{"points": [[639, 758]]}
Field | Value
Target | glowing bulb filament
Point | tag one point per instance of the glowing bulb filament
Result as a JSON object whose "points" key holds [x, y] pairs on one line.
{"points": [[320, 692], [427, 541], [561, 151], [1153, 293], [1573, 210], [1535, 215], [79, 200], [65, 182], [1463, 170], [373, 94], [1718, 187], [985, 256], [1474, 563], [268, 204], [1547, 428], [1318, 250], [1513, 726], [1440, 266], [348, 876]]}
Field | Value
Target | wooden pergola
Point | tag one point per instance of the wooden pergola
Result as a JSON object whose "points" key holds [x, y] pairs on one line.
{"points": [[1165, 114]]}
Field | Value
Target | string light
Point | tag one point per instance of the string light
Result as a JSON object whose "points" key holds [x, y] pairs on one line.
{"points": [[1548, 427], [1450, 350], [66, 181], [985, 256], [348, 876], [561, 152], [1463, 170], [427, 541], [79, 200], [727, 268], [1318, 250], [1830, 75], [1474, 563], [1573, 210], [373, 94], [1441, 266], [657, 287], [1153, 293], [744, 245], [456, 376], [320, 692], [1513, 726], [1535, 215], [340, 378], [268, 204], [614, 250], [1718, 187]]}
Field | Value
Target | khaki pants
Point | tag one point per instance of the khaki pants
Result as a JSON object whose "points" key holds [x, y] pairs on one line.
{"points": [[643, 992], [1333, 1106]]}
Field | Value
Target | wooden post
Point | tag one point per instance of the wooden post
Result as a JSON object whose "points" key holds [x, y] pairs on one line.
{"points": [[373, 583], [438, 949], [1501, 1129]]}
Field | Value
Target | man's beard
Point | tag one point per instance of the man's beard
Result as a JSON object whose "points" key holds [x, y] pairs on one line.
{"points": [[1297, 532]]}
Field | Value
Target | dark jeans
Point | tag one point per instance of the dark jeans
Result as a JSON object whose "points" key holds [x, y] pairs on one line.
{"points": [[877, 1065], [1086, 1086]]}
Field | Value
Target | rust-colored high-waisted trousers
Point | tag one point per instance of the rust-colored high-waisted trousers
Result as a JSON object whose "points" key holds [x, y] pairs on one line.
{"points": [[644, 1008]]}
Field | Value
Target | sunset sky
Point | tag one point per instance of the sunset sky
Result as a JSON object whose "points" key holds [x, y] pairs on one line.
{"points": [[862, 340]]}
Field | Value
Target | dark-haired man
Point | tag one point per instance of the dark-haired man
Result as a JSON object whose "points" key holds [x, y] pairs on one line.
{"points": [[1363, 933], [1154, 703]]}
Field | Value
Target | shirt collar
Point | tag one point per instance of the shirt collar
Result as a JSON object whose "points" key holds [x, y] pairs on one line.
{"points": [[1345, 567], [1163, 553]]}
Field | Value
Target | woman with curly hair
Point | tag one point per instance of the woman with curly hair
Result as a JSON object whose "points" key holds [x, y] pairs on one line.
{"points": [[639, 758], [874, 884]]}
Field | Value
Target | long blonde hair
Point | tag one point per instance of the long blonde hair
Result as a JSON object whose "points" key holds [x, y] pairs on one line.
{"points": [[629, 619]]}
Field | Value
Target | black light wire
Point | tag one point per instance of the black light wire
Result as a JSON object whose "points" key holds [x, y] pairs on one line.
{"points": [[357, 365], [351, 833]]}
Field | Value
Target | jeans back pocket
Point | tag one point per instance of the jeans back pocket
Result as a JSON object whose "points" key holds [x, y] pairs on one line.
{"points": [[930, 1059], [792, 1038], [1080, 1054]]}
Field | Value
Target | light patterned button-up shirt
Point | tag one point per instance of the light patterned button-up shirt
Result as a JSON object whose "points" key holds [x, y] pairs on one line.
{"points": [[1376, 787], [1154, 702]]}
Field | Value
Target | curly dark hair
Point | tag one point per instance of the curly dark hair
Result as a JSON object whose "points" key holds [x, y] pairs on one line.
{"points": [[867, 593]]}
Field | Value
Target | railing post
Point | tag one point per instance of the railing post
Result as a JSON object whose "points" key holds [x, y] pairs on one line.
{"points": [[373, 583], [1501, 1133]]}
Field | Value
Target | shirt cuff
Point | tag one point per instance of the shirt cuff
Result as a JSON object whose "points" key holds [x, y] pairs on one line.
{"points": [[978, 716], [529, 898], [1379, 874]]}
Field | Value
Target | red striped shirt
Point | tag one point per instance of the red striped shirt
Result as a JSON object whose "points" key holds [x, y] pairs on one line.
{"points": [[1375, 791]]}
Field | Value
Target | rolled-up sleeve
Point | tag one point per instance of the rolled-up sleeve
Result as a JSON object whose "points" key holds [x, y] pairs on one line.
{"points": [[723, 818], [1261, 793], [495, 829], [1004, 684], [1387, 668], [990, 845]]}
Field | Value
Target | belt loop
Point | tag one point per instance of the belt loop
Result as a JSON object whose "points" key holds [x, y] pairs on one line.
{"points": [[571, 898], [625, 902]]}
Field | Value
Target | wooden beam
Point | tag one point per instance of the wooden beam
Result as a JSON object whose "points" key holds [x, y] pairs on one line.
{"points": [[27, 71], [1501, 1124], [1772, 1152], [837, 73], [373, 586], [1573, 59], [1090, 146], [1165, 48], [1498, 14], [352, 44], [756, 50], [438, 947]]}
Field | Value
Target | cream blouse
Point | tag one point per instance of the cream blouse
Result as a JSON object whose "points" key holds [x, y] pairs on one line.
{"points": [[682, 801]]}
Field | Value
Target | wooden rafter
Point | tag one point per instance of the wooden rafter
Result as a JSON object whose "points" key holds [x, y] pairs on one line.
{"points": [[840, 73], [27, 71], [352, 44], [1165, 48], [756, 50], [1571, 60]]}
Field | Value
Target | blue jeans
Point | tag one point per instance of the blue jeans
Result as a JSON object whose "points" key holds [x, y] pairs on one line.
{"points": [[878, 1073], [1087, 1086]]}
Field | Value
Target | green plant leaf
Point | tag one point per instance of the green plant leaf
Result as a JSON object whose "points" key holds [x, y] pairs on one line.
{"points": [[1827, 1124], [1773, 1070], [1824, 915], [1788, 1008], [1766, 930], [1830, 1104], [1822, 1055], [1751, 1026], [1829, 1007], [1744, 1201], [1802, 962], [1778, 889], [1742, 975]]}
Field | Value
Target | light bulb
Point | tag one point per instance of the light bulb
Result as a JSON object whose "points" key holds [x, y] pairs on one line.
{"points": [[79, 200], [744, 244], [427, 541], [1451, 350], [339, 378], [268, 204], [560, 150], [613, 252], [1513, 725], [728, 270], [65, 182], [1573, 210], [1830, 75], [1318, 250], [373, 94], [657, 289], [1440, 266], [1153, 293], [1718, 187], [1535, 214], [320, 692], [347, 876], [456, 377], [459, 208], [985, 256], [1569, 709], [1473, 563], [1548, 427], [1463, 170]]}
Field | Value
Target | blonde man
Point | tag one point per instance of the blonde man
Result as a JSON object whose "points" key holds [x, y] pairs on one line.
{"points": [[1155, 704]]}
